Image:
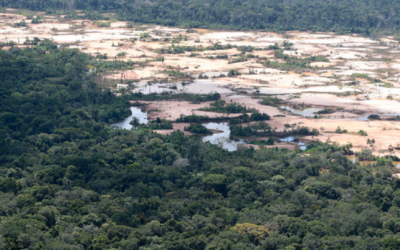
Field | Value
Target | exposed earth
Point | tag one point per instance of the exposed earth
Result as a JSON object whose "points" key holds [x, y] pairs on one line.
{"points": [[361, 77]]}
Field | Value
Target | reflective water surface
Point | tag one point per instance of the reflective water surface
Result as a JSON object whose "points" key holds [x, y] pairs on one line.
{"points": [[222, 138], [136, 112]]}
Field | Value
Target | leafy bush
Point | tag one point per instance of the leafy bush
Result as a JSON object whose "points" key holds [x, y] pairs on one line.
{"points": [[198, 129], [362, 133], [374, 117], [340, 131], [326, 111]]}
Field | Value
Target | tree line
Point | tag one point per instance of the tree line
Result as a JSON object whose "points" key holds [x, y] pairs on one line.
{"points": [[357, 16]]}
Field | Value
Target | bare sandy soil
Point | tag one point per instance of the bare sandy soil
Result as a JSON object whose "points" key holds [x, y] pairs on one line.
{"points": [[327, 85], [171, 110]]}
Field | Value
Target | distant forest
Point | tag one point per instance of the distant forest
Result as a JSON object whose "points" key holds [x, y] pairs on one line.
{"points": [[357, 16]]}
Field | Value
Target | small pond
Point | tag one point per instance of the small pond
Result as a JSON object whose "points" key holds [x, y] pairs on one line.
{"points": [[294, 140], [136, 112], [304, 112], [223, 137]]}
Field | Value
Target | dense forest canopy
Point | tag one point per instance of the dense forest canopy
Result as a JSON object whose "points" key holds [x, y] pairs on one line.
{"points": [[69, 181], [44, 89], [358, 16]]}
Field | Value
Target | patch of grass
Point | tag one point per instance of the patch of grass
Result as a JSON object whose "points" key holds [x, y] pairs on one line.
{"points": [[102, 24], [22, 12], [177, 74], [360, 75], [238, 60], [271, 101], [230, 108], [326, 111], [362, 133], [386, 85], [270, 141]]}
